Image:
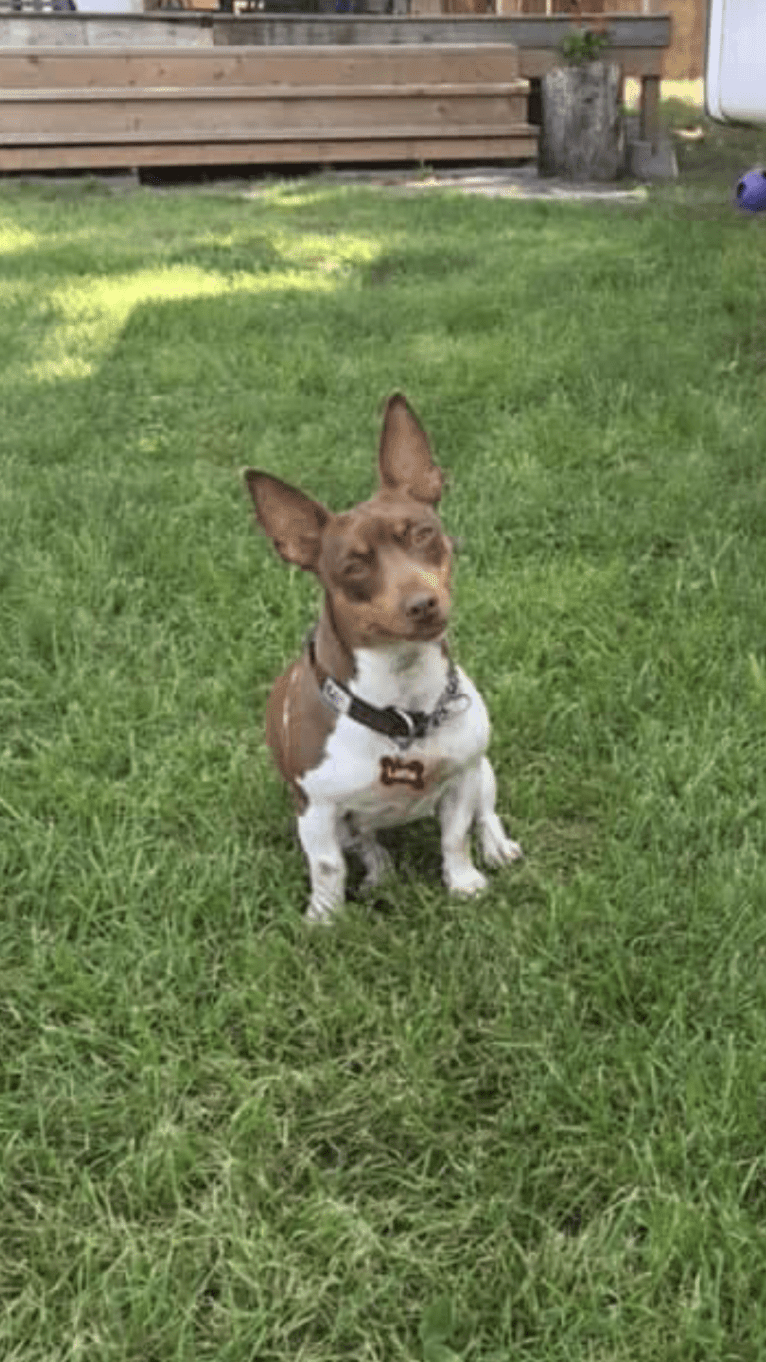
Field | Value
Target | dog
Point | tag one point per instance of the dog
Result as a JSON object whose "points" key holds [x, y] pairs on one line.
{"points": [[374, 725]]}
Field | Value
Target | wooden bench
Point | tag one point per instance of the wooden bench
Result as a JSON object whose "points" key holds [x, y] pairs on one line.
{"points": [[108, 107]]}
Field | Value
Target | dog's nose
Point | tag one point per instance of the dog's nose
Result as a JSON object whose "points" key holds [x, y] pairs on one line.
{"points": [[424, 605]]}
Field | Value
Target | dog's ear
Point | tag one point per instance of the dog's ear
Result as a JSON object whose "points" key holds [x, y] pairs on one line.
{"points": [[293, 522], [404, 457]]}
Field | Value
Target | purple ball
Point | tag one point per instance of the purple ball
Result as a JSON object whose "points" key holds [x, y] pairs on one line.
{"points": [[751, 191]]}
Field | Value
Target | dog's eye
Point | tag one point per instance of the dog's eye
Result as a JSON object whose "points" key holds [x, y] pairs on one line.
{"points": [[356, 566], [423, 536]]}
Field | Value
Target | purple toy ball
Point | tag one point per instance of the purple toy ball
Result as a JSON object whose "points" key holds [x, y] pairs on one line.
{"points": [[751, 191]]}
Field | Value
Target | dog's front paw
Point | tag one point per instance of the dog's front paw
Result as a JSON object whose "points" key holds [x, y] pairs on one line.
{"points": [[496, 848], [320, 914], [465, 881], [502, 853]]}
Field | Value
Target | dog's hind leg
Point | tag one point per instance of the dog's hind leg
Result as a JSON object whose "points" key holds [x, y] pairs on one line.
{"points": [[374, 857]]}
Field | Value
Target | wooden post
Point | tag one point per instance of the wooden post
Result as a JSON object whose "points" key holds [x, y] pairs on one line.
{"points": [[649, 126], [582, 135]]}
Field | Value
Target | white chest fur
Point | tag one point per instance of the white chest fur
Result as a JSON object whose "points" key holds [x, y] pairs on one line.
{"points": [[367, 774]]}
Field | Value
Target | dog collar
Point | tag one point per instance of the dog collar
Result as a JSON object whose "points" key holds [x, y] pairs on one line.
{"points": [[405, 726]]}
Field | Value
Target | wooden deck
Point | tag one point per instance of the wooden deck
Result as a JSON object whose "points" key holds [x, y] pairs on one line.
{"points": [[95, 91], [636, 42], [88, 108]]}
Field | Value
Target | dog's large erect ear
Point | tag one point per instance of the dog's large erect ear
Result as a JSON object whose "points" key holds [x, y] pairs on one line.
{"points": [[292, 520], [404, 458]]}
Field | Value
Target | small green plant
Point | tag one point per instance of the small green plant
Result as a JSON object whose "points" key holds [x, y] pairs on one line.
{"points": [[436, 1329], [583, 45]]}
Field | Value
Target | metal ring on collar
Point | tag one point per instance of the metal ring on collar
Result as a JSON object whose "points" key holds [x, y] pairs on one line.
{"points": [[408, 722]]}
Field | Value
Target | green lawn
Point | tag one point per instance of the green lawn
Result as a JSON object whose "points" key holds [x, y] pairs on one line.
{"points": [[529, 1128]]}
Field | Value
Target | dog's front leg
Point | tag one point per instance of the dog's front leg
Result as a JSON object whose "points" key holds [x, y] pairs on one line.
{"points": [[497, 849], [457, 812], [318, 831]]}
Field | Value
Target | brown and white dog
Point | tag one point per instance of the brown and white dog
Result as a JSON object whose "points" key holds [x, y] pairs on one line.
{"points": [[374, 725]]}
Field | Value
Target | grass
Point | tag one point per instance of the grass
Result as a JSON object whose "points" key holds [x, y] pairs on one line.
{"points": [[530, 1128]]}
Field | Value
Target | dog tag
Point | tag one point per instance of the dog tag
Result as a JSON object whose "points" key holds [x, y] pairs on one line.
{"points": [[393, 771]]}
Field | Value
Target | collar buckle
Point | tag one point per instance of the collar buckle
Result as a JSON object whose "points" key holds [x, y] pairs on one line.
{"points": [[417, 725]]}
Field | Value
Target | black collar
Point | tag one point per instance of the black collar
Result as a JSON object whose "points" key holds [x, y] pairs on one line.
{"points": [[405, 726]]}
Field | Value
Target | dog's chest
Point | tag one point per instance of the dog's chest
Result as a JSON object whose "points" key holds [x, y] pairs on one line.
{"points": [[367, 774]]}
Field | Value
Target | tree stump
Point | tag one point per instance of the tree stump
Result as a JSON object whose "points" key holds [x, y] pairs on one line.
{"points": [[582, 135]]}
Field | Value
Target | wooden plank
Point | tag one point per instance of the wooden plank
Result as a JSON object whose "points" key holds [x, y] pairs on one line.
{"points": [[260, 93], [38, 68], [520, 30], [275, 137], [633, 61], [650, 110], [225, 30], [111, 119], [297, 151], [110, 30], [75, 67]]}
